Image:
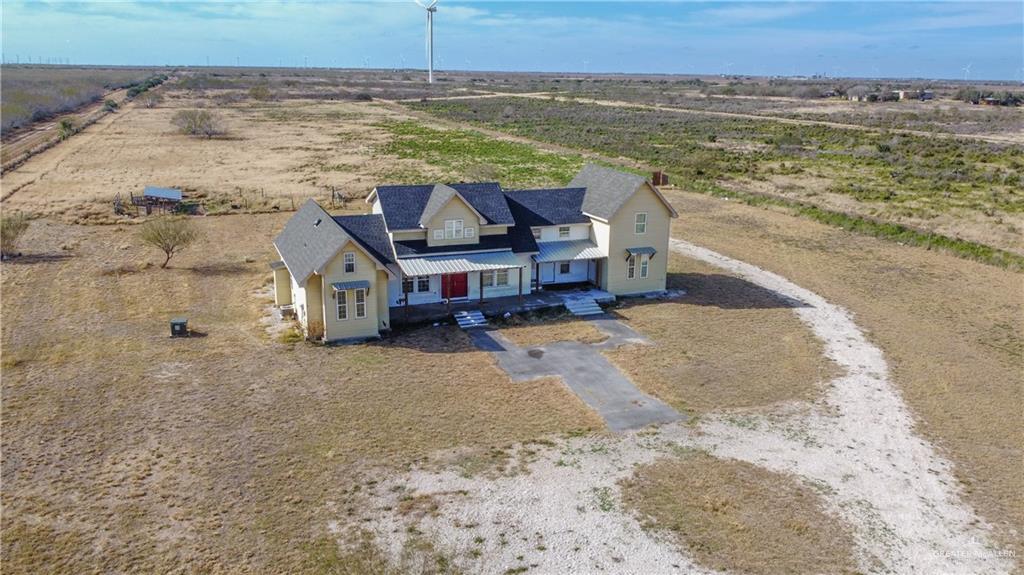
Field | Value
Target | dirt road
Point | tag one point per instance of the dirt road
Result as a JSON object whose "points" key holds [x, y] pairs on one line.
{"points": [[25, 143]]}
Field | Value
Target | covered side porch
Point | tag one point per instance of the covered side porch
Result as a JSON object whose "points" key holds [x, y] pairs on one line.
{"points": [[492, 307], [567, 262]]}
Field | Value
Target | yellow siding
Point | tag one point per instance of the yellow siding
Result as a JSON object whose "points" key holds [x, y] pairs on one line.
{"points": [[621, 235], [414, 235], [601, 234], [380, 292], [352, 327], [455, 210], [282, 287], [493, 231], [314, 303]]}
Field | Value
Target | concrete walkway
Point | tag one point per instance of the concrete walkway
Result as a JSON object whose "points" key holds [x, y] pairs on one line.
{"points": [[586, 371]]}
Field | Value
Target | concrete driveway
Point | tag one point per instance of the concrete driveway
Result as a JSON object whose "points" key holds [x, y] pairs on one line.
{"points": [[586, 371]]}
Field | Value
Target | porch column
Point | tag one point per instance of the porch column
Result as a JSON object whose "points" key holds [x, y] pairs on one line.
{"points": [[481, 286], [448, 290], [520, 285], [405, 296]]}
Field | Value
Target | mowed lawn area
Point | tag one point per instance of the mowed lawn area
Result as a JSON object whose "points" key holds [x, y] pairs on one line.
{"points": [[126, 450]]}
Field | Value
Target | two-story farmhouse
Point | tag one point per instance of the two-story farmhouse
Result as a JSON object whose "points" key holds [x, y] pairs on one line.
{"points": [[347, 276]]}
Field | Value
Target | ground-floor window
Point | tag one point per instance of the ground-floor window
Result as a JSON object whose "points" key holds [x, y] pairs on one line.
{"points": [[564, 268], [631, 264], [494, 278], [342, 305], [360, 303], [415, 284]]}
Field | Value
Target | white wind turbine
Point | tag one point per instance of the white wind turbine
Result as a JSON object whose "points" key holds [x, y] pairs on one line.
{"points": [[967, 70], [430, 8]]}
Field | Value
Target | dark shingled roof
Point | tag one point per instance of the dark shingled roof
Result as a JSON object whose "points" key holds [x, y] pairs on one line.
{"points": [[549, 207], [410, 248], [309, 240], [369, 232], [522, 240], [607, 189], [402, 206]]}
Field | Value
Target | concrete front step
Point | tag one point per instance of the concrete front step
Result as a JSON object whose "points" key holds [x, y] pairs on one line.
{"points": [[468, 319], [581, 306]]}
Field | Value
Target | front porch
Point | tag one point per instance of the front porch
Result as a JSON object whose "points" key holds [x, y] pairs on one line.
{"points": [[494, 306]]}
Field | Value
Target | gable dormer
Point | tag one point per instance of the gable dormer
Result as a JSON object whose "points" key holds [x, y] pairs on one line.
{"points": [[449, 219]]}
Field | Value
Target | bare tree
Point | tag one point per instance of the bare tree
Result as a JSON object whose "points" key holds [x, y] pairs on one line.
{"points": [[169, 234], [197, 123], [12, 226]]}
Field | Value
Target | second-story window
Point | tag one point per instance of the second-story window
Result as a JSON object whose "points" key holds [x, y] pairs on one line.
{"points": [[640, 223], [563, 232], [453, 229], [350, 262]]}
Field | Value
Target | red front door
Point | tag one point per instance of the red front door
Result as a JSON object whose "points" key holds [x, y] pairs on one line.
{"points": [[455, 285]]}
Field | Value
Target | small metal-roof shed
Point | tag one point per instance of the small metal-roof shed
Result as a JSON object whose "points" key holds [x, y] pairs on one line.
{"points": [[167, 194]]}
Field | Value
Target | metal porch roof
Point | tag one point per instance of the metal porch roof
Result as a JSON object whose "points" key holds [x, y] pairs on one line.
{"points": [[358, 284], [567, 250], [639, 251], [459, 263]]}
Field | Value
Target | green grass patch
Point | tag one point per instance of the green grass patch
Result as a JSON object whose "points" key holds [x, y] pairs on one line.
{"points": [[886, 230], [470, 155]]}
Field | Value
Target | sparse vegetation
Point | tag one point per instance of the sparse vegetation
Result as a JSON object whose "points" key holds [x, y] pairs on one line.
{"points": [[30, 94], [202, 123], [169, 234], [891, 179], [12, 227]]}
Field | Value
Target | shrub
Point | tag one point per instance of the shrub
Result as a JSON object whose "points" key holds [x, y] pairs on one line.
{"points": [[197, 123], [110, 105], [261, 93], [168, 234], [65, 129], [150, 99], [12, 227]]}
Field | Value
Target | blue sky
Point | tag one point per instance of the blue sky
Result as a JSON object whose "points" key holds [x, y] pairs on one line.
{"points": [[918, 39]]}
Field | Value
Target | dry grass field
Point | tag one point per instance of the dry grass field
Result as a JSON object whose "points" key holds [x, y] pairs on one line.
{"points": [[738, 517], [952, 331], [757, 354], [126, 450]]}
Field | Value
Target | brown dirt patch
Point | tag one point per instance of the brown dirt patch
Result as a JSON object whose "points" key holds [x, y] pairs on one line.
{"points": [[734, 516], [726, 344], [952, 331], [126, 450]]}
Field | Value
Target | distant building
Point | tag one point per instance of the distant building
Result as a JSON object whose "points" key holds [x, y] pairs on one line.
{"points": [[914, 94]]}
